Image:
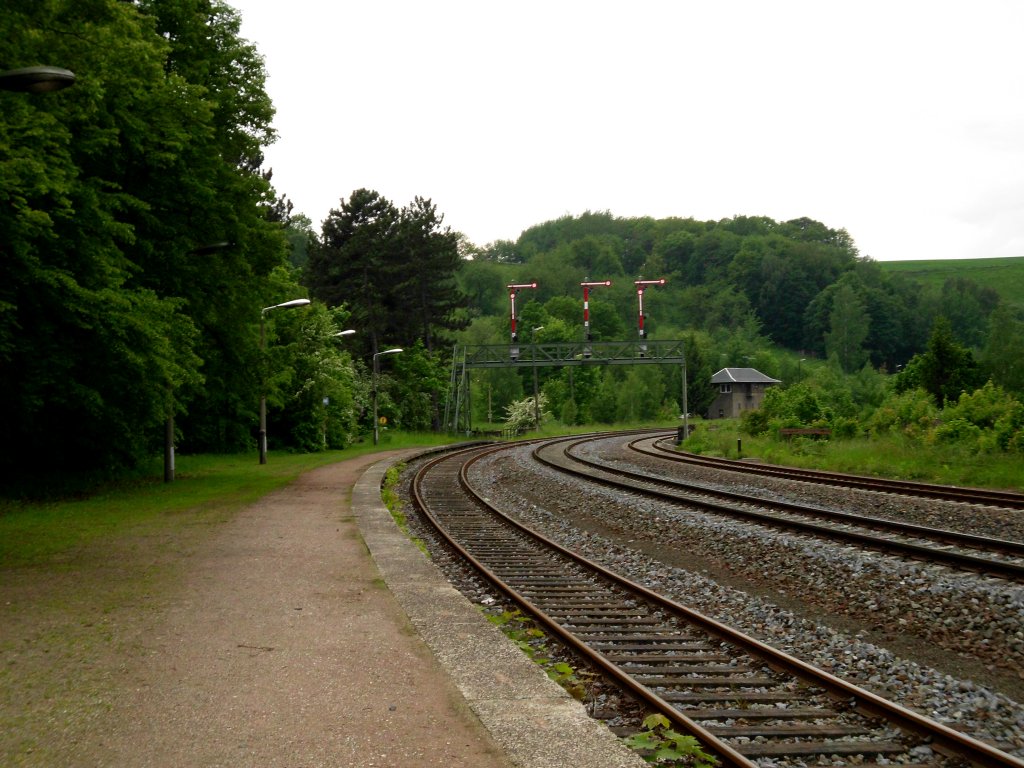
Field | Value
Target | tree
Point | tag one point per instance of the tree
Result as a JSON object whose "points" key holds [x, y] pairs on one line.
{"points": [[418, 379], [641, 396], [849, 328], [944, 370], [597, 257], [355, 262], [312, 391], [968, 307], [394, 269], [300, 234], [484, 285], [675, 252], [1002, 358], [501, 252], [428, 303], [111, 315]]}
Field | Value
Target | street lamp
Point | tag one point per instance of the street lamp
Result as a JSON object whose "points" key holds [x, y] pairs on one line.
{"points": [[263, 390], [203, 250], [533, 350], [327, 401], [36, 79], [376, 371]]}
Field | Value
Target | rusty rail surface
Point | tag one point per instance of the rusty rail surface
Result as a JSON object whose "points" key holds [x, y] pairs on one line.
{"points": [[742, 699], [975, 553], [666, 449]]}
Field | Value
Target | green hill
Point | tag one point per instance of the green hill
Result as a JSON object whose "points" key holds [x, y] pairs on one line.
{"points": [[1005, 276]]}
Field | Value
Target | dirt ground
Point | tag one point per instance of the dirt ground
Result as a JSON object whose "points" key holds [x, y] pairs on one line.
{"points": [[267, 639]]}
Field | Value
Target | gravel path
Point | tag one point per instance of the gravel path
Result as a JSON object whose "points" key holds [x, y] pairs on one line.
{"points": [[275, 644]]}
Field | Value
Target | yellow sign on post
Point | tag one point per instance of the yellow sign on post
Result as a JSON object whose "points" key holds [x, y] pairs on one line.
{"points": [[383, 420]]}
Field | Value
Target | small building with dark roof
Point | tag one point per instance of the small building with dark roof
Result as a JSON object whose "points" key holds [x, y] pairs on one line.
{"points": [[739, 390]]}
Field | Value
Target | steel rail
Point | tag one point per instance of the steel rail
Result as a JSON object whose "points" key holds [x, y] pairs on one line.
{"points": [[729, 756], [943, 738], [975, 563], [989, 496], [959, 538]]}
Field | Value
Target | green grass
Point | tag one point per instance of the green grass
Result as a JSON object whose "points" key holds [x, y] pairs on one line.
{"points": [[207, 487], [82, 578], [882, 457], [1005, 276], [210, 488]]}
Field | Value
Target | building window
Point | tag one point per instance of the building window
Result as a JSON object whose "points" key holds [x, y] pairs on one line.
{"points": [[725, 389]]}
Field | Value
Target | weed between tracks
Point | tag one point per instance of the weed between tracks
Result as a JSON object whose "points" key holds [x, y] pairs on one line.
{"points": [[657, 743], [661, 745], [653, 740], [393, 501], [532, 641]]}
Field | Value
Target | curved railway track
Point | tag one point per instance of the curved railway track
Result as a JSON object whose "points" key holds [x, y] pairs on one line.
{"points": [[994, 557], [744, 700], [664, 448]]}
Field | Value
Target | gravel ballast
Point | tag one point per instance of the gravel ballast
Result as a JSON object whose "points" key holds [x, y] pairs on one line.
{"points": [[823, 602]]}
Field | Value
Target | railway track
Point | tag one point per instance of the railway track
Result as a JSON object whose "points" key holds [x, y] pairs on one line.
{"points": [[995, 557], [746, 702], [664, 448]]}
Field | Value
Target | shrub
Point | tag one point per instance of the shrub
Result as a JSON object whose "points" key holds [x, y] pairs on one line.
{"points": [[983, 407], [910, 413], [987, 419], [957, 431], [844, 427], [520, 415], [754, 423], [1008, 431]]}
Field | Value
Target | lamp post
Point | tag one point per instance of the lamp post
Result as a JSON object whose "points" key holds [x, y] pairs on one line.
{"points": [[202, 250], [36, 79], [263, 390], [376, 372], [533, 354], [326, 401]]}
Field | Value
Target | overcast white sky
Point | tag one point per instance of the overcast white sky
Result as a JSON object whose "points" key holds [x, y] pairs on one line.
{"points": [[901, 121]]}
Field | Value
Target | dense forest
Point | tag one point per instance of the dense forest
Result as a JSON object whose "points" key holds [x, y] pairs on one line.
{"points": [[117, 307], [744, 291], [148, 269]]}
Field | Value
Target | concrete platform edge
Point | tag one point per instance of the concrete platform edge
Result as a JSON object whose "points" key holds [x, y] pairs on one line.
{"points": [[531, 718]]}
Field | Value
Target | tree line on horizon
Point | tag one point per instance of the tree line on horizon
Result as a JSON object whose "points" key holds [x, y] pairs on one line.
{"points": [[741, 290], [142, 245]]}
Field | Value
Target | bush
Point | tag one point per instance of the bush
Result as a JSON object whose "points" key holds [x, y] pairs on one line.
{"points": [[705, 440], [957, 431], [910, 413], [754, 423], [987, 419], [844, 427], [984, 407], [521, 415]]}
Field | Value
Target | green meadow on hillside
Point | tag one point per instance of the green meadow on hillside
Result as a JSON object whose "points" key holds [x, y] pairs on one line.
{"points": [[1005, 275]]}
